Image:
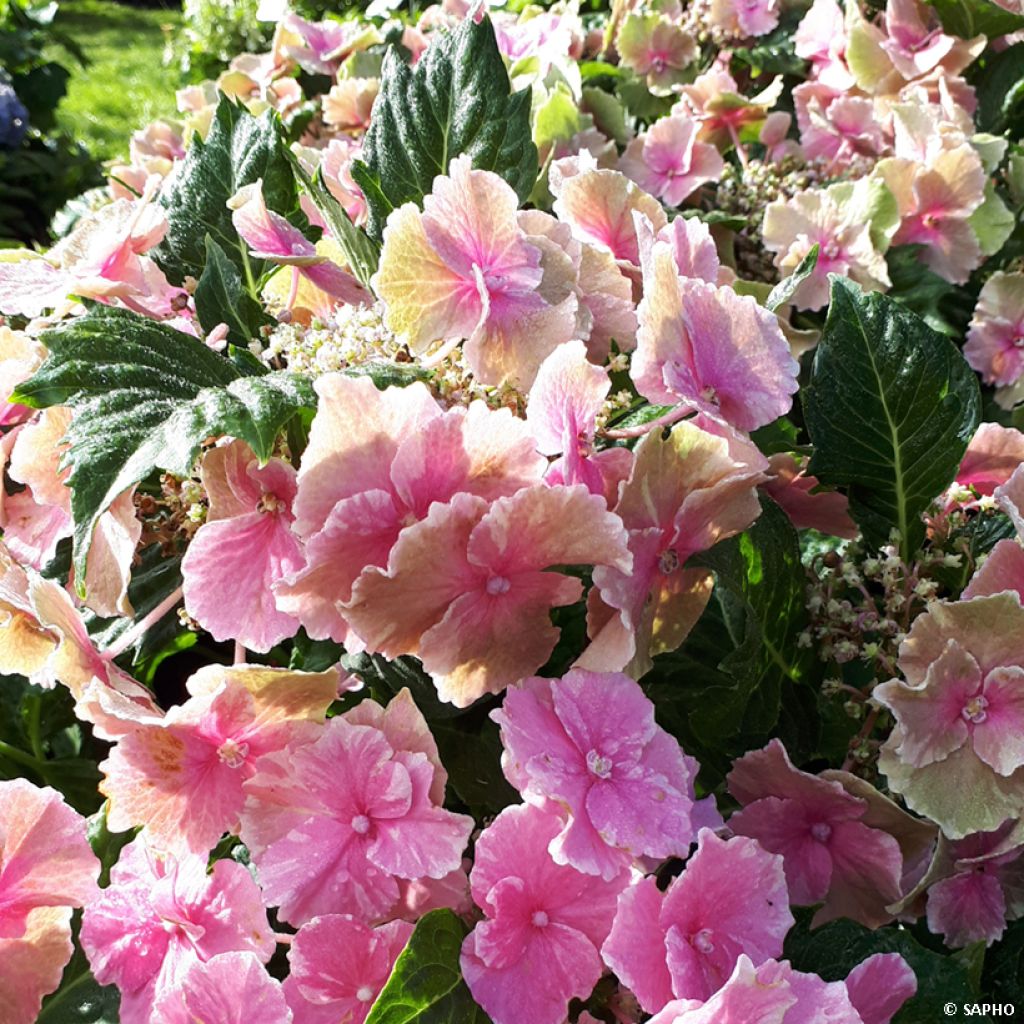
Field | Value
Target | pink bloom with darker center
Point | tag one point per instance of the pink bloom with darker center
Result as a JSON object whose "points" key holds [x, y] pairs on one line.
{"points": [[484, 622], [684, 943], [338, 965], [333, 824], [245, 546], [669, 162], [995, 340], [181, 777], [831, 855], [159, 916], [538, 945], [588, 743]]}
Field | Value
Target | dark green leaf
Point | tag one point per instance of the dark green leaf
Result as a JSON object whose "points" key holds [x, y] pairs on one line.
{"points": [[145, 397], [836, 948], [239, 150], [80, 999], [784, 291], [1000, 89], [761, 583], [970, 18], [386, 678], [456, 100], [221, 297], [105, 844], [472, 757], [890, 407], [426, 985]]}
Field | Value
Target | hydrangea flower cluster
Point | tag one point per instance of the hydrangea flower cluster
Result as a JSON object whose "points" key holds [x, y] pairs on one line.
{"points": [[496, 519]]}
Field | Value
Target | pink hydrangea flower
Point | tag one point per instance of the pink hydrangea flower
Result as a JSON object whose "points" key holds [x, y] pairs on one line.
{"points": [[588, 743], [686, 492], [484, 622], [710, 349], [338, 966], [333, 824], [182, 777], [376, 462], [795, 491], [229, 988], [537, 947], [914, 40], [45, 858], [463, 268], [20, 356], [562, 410], [669, 162], [992, 457], [995, 339], [1003, 570], [161, 915], [684, 943], [740, 19], [956, 753], [318, 47], [981, 888], [774, 993], [270, 237], [835, 126], [43, 637], [692, 246], [832, 855], [245, 546], [935, 201], [834, 221], [32, 964], [102, 258], [347, 106], [657, 49], [724, 113], [599, 205], [821, 38]]}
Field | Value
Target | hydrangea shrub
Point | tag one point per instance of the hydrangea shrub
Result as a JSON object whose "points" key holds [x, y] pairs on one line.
{"points": [[517, 518]]}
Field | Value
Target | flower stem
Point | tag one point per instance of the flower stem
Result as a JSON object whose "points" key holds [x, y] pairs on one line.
{"points": [[133, 633]]}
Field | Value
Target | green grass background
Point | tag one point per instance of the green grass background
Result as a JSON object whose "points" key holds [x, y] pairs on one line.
{"points": [[127, 84]]}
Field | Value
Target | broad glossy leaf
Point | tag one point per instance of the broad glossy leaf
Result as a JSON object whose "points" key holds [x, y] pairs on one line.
{"points": [[1000, 90], [426, 985], [80, 999], [239, 150], [456, 100], [145, 397], [837, 947], [891, 407], [786, 288], [970, 18]]}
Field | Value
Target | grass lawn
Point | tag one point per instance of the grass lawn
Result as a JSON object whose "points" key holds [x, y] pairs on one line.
{"points": [[126, 85]]}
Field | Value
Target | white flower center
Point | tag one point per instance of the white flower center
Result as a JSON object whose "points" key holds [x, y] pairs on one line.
{"points": [[498, 585], [361, 824], [232, 753], [540, 919], [702, 941], [821, 831], [365, 994], [270, 503], [599, 765], [974, 710]]}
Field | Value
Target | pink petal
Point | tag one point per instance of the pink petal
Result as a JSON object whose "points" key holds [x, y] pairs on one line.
{"points": [[967, 908], [879, 986]]}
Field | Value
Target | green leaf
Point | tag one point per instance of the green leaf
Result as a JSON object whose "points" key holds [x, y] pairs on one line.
{"points": [[221, 297], [361, 251], [426, 985], [456, 100], [239, 150], [890, 407], [760, 580], [145, 397], [1000, 89], [784, 291], [836, 948], [80, 999], [557, 117], [992, 222], [970, 18], [386, 678]]}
